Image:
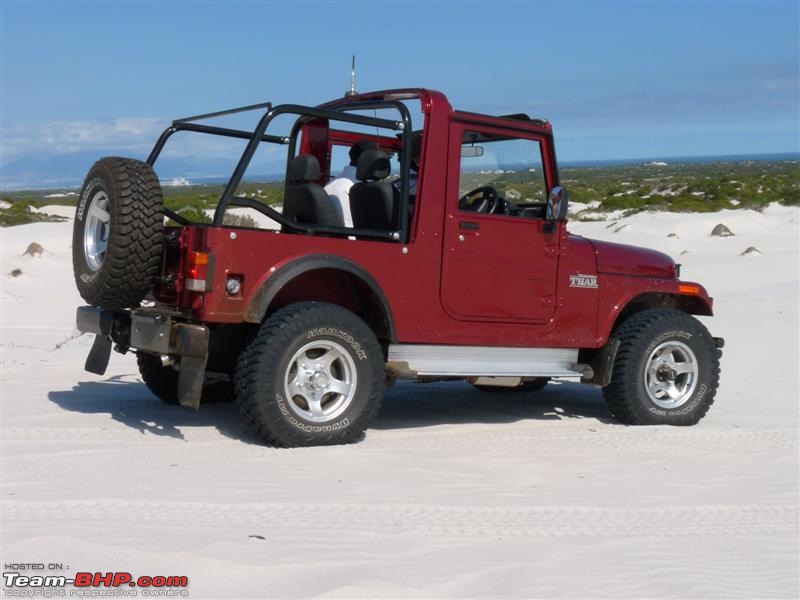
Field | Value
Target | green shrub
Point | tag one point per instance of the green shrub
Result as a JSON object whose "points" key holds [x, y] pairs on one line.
{"points": [[625, 202], [239, 221], [194, 214], [20, 214]]}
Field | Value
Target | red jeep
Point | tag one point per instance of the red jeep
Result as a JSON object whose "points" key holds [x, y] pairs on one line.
{"points": [[448, 258]]}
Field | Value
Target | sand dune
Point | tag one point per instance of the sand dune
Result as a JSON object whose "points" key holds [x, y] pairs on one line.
{"points": [[453, 493]]}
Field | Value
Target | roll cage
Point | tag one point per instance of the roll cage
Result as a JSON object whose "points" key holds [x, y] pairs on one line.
{"points": [[306, 116]]}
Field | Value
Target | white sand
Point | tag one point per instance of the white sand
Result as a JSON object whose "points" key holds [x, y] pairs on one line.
{"points": [[453, 493], [262, 220]]}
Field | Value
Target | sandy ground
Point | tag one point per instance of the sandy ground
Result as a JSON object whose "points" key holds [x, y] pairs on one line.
{"points": [[453, 493]]}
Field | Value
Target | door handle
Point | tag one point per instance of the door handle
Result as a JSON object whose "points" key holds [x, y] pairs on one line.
{"points": [[470, 225]]}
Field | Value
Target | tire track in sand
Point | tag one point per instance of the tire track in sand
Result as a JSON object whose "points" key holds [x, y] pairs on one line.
{"points": [[443, 520], [215, 445]]}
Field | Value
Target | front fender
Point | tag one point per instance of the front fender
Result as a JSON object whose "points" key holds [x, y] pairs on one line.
{"points": [[618, 294]]}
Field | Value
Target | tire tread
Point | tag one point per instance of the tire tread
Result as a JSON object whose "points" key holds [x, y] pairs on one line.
{"points": [[266, 348], [621, 393], [133, 256]]}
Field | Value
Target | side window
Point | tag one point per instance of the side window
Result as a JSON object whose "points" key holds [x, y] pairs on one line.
{"points": [[511, 167]]}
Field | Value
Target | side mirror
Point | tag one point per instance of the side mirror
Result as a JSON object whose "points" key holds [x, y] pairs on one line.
{"points": [[557, 204]]}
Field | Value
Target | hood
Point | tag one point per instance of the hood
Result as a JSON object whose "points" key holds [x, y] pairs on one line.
{"points": [[622, 259]]}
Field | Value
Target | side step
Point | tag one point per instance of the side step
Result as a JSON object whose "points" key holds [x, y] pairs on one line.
{"points": [[412, 360]]}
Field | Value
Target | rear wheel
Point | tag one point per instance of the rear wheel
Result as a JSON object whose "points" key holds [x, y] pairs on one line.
{"points": [[312, 375], [117, 234], [666, 371]]}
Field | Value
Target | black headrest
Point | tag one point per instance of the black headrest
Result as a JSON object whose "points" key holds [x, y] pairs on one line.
{"points": [[359, 147], [303, 168], [373, 165]]}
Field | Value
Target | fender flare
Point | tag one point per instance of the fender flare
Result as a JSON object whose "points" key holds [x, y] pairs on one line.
{"points": [[609, 311], [269, 288]]}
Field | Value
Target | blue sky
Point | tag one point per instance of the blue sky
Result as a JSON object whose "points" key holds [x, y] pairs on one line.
{"points": [[617, 79]]}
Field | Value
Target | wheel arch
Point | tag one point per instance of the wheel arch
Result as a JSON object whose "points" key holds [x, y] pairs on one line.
{"points": [[325, 278], [693, 305], [602, 359]]}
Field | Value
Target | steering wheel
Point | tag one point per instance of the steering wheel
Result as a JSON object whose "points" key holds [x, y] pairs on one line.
{"points": [[480, 200]]}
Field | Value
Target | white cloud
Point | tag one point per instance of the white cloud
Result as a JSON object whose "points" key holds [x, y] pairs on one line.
{"points": [[60, 152], [123, 135], [67, 137]]}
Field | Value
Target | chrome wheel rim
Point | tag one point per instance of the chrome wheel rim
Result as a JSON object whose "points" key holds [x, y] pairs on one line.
{"points": [[95, 233], [320, 381], [670, 374]]}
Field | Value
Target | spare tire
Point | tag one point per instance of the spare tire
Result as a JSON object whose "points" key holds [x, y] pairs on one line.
{"points": [[118, 233]]}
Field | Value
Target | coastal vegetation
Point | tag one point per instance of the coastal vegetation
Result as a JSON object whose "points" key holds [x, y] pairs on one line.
{"points": [[679, 187]]}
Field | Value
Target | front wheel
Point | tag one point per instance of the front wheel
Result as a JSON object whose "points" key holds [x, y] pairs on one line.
{"points": [[666, 371], [312, 375]]}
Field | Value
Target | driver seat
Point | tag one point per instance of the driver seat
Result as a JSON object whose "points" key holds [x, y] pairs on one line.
{"points": [[373, 200]]}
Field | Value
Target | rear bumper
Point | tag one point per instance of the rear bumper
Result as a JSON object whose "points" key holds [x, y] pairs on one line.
{"points": [[145, 329], [90, 319], [150, 331]]}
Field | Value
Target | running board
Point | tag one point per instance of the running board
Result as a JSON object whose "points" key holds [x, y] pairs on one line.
{"points": [[410, 360]]}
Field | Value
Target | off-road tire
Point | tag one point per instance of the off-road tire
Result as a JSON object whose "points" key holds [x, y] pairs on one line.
{"points": [[639, 335], [263, 365], [135, 233], [163, 383], [533, 385]]}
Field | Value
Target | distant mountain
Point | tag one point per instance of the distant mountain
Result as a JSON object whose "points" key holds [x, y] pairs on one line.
{"points": [[69, 170]]}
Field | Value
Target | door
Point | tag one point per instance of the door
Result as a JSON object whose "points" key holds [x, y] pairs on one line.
{"points": [[500, 257]]}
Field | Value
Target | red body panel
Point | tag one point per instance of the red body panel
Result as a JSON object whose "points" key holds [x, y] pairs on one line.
{"points": [[504, 271], [622, 259], [442, 290], [410, 282]]}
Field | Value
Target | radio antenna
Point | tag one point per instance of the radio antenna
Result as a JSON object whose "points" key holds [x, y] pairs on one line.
{"points": [[352, 90]]}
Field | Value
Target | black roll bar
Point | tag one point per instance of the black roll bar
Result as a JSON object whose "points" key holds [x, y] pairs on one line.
{"points": [[252, 145], [198, 128], [295, 225], [405, 159], [221, 113], [258, 135], [176, 217], [405, 151]]}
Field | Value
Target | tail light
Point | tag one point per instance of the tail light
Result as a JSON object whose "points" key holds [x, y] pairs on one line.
{"points": [[197, 272]]}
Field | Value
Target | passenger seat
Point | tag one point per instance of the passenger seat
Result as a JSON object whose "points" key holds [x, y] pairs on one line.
{"points": [[304, 199]]}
